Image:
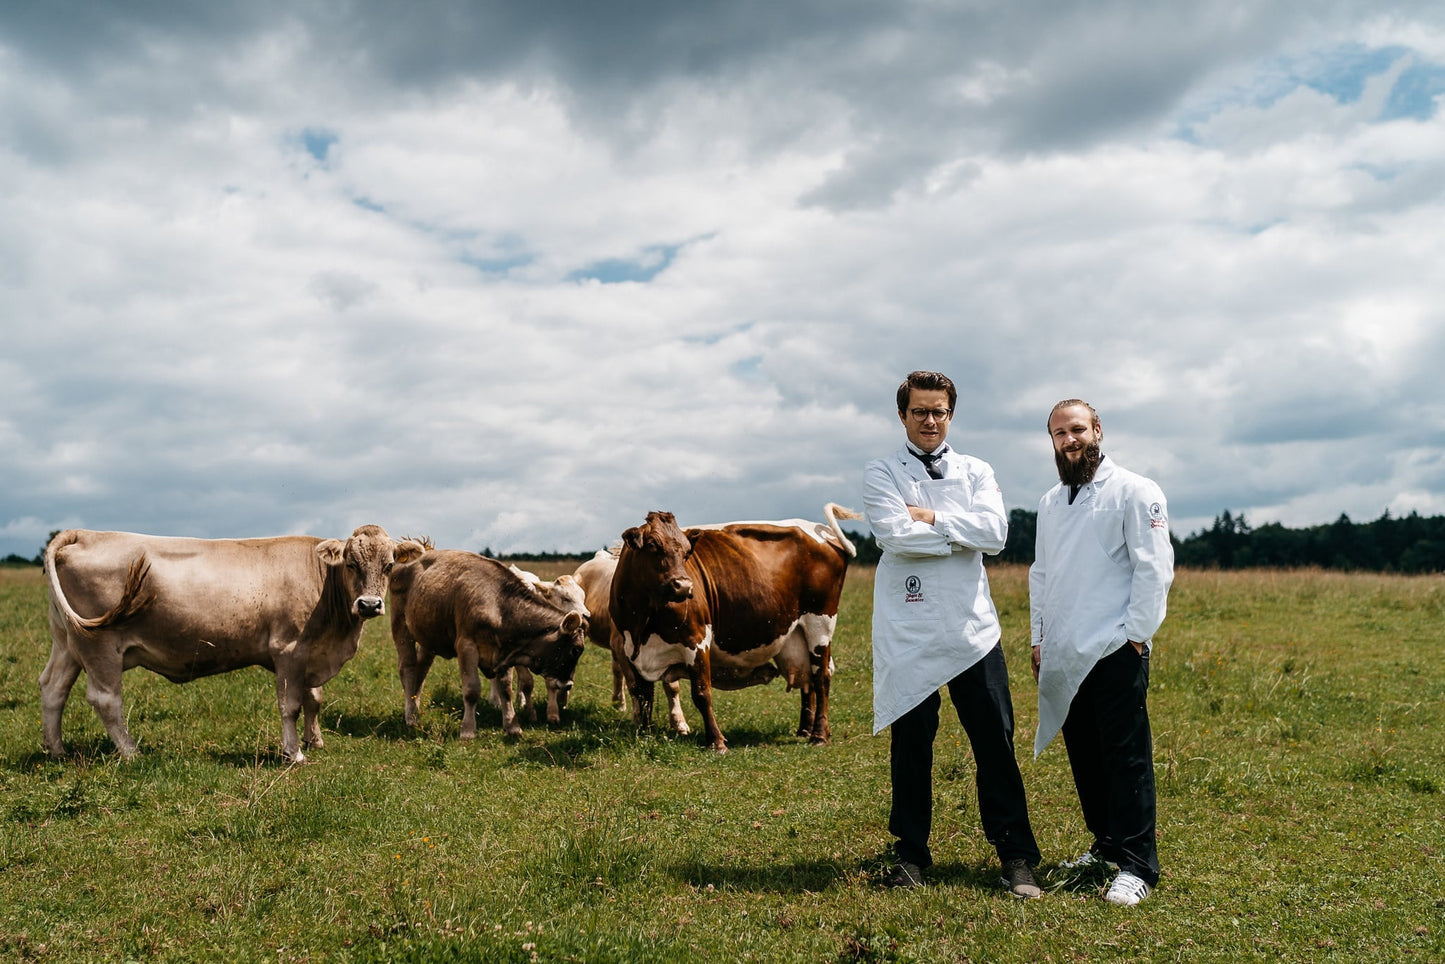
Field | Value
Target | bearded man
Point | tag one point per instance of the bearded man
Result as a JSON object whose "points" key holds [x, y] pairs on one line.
{"points": [[1098, 589]]}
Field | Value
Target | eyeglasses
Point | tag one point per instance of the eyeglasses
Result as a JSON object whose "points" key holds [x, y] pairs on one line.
{"points": [[924, 414]]}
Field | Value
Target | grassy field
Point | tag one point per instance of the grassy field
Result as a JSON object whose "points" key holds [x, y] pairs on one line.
{"points": [[1298, 722]]}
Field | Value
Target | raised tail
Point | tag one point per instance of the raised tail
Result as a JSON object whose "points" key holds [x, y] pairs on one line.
{"points": [[133, 599], [833, 512]]}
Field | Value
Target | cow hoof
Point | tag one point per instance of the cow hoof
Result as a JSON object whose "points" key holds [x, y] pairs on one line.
{"points": [[299, 757], [513, 733], [464, 735]]}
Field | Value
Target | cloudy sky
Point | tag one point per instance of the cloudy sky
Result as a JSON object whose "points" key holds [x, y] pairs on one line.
{"points": [[512, 274]]}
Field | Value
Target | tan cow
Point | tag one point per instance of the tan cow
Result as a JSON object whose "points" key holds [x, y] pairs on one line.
{"points": [[462, 606], [731, 606], [187, 608]]}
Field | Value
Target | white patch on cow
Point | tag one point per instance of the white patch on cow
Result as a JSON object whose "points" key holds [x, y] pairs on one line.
{"points": [[819, 630], [657, 655]]}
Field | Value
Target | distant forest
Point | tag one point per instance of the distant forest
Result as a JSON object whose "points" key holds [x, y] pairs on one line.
{"points": [[1411, 543]]}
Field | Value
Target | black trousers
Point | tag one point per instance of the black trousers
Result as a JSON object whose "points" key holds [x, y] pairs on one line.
{"points": [[1112, 755], [980, 696]]}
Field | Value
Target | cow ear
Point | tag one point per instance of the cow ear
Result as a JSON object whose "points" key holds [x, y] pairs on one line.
{"points": [[572, 622], [633, 537], [408, 550], [331, 551]]}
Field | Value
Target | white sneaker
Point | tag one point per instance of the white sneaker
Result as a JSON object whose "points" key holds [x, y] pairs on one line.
{"points": [[1127, 890]]}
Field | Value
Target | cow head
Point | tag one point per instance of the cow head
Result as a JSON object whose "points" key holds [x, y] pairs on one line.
{"points": [[661, 550], [555, 652], [363, 563]]}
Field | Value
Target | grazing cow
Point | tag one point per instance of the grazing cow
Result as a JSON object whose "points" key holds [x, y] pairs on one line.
{"points": [[462, 606], [565, 591], [731, 606], [186, 608]]}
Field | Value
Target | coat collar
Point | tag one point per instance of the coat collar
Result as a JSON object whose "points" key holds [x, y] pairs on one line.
{"points": [[914, 468]]}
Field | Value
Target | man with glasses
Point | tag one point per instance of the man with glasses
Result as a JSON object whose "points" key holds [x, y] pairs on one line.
{"points": [[935, 512]]}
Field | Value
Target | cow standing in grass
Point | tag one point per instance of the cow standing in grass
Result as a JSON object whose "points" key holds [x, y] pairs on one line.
{"points": [[595, 578], [462, 606], [565, 591], [187, 608], [731, 606]]}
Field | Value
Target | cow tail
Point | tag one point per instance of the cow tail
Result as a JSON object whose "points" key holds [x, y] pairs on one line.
{"points": [[133, 599], [833, 512]]}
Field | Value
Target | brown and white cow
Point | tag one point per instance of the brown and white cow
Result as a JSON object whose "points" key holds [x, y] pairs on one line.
{"points": [[595, 578], [462, 606], [731, 606], [187, 608]]}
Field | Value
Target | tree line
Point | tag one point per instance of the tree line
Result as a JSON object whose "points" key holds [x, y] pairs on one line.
{"points": [[1407, 544], [1410, 544]]}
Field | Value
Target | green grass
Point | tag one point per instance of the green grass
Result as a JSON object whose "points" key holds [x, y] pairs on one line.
{"points": [[1298, 721]]}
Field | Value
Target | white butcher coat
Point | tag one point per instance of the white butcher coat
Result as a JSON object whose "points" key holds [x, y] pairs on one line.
{"points": [[933, 616], [1101, 576]]}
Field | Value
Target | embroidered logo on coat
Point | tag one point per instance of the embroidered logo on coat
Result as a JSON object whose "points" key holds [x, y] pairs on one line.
{"points": [[913, 589], [1156, 516]]}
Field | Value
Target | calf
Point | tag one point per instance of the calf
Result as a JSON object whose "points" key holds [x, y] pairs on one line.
{"points": [[731, 606], [186, 608], [462, 606], [565, 591]]}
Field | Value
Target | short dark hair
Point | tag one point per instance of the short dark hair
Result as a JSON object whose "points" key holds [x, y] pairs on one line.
{"points": [[1071, 403], [926, 382]]}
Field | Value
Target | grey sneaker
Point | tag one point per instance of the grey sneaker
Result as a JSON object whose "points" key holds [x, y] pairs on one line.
{"points": [[1127, 890], [904, 874], [1019, 879]]}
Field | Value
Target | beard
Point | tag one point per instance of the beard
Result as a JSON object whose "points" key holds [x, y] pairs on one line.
{"points": [[1080, 472]]}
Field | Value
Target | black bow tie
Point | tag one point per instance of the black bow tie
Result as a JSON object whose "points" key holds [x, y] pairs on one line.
{"points": [[930, 462]]}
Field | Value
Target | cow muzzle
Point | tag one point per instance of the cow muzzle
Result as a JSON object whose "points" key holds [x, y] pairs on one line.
{"points": [[368, 606], [680, 589]]}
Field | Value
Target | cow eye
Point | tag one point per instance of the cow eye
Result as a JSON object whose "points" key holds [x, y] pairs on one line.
{"points": [[387, 568]]}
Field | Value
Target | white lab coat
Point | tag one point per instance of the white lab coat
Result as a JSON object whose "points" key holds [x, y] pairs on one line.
{"points": [[933, 616], [1101, 576]]}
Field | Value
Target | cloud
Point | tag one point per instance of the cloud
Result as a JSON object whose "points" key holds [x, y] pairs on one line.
{"points": [[513, 277]]}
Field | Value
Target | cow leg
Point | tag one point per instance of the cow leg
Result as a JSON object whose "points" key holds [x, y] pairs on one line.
{"points": [[702, 699], [525, 683], [807, 708], [102, 691], [510, 726], [557, 692], [472, 688], [675, 717], [817, 695], [289, 697], [311, 707], [56, 680], [411, 667], [619, 684], [642, 691]]}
